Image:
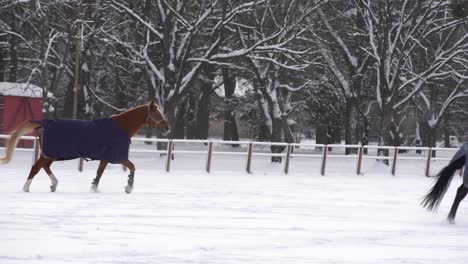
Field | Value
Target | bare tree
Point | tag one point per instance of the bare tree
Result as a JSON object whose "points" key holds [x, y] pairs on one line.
{"points": [[188, 36], [396, 30], [344, 36], [278, 55]]}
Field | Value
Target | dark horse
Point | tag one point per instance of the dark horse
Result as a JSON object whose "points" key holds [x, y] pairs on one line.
{"points": [[432, 200], [105, 139]]}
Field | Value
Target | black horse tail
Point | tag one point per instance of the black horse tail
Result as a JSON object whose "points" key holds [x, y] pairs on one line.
{"points": [[433, 198]]}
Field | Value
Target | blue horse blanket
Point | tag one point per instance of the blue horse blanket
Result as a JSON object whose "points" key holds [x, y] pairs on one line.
{"points": [[463, 151], [100, 139]]}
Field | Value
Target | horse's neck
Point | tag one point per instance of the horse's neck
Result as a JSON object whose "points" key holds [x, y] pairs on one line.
{"points": [[132, 120]]}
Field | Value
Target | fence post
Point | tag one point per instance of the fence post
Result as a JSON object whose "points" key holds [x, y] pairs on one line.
{"points": [[395, 157], [208, 160], [288, 157], [80, 165], [428, 163], [249, 158], [359, 161], [324, 159], [169, 156]]}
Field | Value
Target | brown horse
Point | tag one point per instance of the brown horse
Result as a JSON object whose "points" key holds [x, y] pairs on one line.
{"points": [[59, 145]]}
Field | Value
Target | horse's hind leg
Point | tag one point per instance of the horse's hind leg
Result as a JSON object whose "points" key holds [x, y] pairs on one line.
{"points": [[40, 163], [100, 171], [52, 177], [131, 176], [461, 194]]}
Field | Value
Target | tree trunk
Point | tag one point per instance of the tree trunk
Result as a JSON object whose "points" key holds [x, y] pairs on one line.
{"points": [[2, 58], [264, 131], [227, 134], [59, 72], [284, 98], [274, 112], [387, 132], [365, 132], [170, 110], [351, 124], [68, 106], [321, 134], [230, 126], [234, 131], [13, 70], [151, 95], [288, 134], [179, 125], [428, 134], [203, 115], [446, 123], [191, 115], [43, 69], [276, 137], [432, 128], [432, 133], [170, 105]]}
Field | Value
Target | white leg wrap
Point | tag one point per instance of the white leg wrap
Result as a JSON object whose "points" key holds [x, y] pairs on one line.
{"points": [[94, 188], [128, 189], [26, 185], [54, 181]]}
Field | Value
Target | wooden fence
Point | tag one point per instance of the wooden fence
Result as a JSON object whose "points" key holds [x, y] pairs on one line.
{"points": [[358, 152]]}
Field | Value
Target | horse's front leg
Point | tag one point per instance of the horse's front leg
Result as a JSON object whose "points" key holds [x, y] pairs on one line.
{"points": [[100, 171], [131, 176]]}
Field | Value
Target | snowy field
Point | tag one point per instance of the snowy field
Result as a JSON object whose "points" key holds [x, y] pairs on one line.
{"points": [[228, 216]]}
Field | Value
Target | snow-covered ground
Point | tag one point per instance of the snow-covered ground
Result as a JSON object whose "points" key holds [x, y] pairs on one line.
{"points": [[228, 216]]}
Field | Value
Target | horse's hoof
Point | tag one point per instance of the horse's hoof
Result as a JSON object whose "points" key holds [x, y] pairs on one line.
{"points": [[451, 220], [53, 187], [128, 189], [94, 188], [26, 185]]}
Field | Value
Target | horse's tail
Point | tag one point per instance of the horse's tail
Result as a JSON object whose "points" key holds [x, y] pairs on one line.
{"points": [[23, 128], [433, 198]]}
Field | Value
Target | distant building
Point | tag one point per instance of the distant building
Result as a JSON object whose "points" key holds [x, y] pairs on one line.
{"points": [[19, 102]]}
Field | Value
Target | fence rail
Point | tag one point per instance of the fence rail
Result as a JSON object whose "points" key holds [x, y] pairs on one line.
{"points": [[249, 153]]}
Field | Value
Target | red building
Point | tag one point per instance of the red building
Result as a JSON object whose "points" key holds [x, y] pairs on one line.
{"points": [[19, 102]]}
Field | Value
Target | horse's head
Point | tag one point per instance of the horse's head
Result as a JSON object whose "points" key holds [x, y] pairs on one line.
{"points": [[156, 118]]}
